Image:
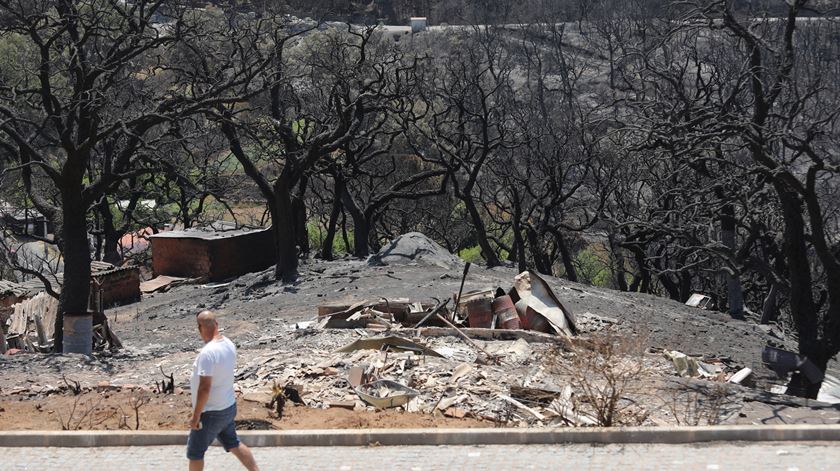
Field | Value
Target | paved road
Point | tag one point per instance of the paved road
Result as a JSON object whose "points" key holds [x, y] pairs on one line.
{"points": [[765, 456]]}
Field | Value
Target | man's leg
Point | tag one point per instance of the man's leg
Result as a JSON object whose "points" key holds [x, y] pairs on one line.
{"points": [[199, 440], [244, 455], [227, 437]]}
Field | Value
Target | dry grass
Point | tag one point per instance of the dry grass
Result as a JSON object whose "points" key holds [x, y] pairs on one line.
{"points": [[85, 414], [607, 374], [696, 405]]}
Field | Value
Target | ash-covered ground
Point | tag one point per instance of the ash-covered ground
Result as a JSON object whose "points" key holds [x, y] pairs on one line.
{"points": [[260, 316]]}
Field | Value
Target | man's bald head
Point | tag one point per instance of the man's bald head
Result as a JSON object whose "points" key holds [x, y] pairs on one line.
{"points": [[206, 318], [207, 325]]}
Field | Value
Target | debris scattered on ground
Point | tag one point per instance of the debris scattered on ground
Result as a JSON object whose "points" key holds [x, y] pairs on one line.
{"points": [[700, 301], [32, 323], [536, 302], [741, 377], [384, 393], [386, 344], [163, 283], [496, 347], [531, 305], [692, 368]]}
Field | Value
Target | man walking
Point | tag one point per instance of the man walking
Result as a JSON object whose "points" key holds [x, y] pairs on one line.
{"points": [[213, 398]]}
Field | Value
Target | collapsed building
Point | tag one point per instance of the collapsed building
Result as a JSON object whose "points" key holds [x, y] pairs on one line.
{"points": [[28, 311]]}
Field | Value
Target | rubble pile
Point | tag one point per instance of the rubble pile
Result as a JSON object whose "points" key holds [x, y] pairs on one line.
{"points": [[27, 320], [530, 305], [437, 375], [484, 358]]}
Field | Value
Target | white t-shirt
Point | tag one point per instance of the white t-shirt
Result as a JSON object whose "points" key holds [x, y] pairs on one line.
{"points": [[216, 359]]}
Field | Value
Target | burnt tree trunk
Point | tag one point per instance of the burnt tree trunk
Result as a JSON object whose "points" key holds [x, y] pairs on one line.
{"points": [[566, 256], [619, 271], [283, 222], [361, 227], [770, 310], [76, 252], [332, 227], [110, 235], [541, 262], [299, 214], [518, 241], [735, 294], [480, 232], [802, 307]]}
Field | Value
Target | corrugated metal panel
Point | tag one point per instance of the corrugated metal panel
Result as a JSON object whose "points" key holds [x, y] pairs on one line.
{"points": [[9, 287], [96, 266]]}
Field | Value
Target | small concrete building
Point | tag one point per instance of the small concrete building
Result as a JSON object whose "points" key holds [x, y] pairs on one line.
{"points": [[213, 255]]}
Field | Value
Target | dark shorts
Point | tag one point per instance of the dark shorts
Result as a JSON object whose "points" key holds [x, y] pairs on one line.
{"points": [[214, 424]]}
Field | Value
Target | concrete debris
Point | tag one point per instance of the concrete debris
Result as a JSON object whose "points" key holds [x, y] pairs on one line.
{"points": [[451, 381], [460, 371], [448, 402], [356, 376], [522, 406], [455, 412], [564, 413]]}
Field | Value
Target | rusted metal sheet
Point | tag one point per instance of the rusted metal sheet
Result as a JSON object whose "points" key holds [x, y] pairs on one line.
{"points": [[540, 308], [161, 283]]}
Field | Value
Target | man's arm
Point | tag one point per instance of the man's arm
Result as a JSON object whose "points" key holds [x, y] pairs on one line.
{"points": [[201, 396]]}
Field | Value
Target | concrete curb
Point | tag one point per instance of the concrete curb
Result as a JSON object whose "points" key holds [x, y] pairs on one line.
{"points": [[430, 437]]}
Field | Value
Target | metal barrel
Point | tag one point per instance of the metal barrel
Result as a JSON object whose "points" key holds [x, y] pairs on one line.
{"points": [[505, 313], [78, 333], [480, 312]]}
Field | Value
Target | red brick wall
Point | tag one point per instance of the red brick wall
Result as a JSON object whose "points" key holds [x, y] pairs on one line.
{"points": [[118, 287], [235, 256], [215, 259], [185, 257]]}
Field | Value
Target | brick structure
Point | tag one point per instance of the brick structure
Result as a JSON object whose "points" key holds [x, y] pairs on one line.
{"points": [[118, 285], [212, 255]]}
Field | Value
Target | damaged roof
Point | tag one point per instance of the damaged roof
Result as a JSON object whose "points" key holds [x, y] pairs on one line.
{"points": [[206, 234]]}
